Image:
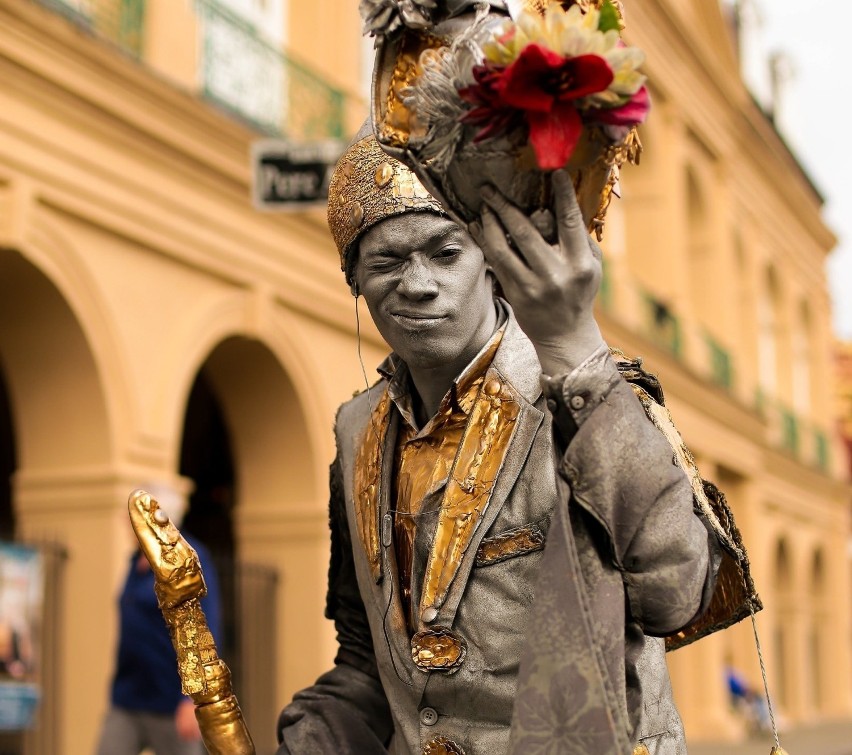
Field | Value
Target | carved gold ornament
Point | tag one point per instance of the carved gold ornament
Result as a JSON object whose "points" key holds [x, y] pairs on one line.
{"points": [[438, 649], [442, 746]]}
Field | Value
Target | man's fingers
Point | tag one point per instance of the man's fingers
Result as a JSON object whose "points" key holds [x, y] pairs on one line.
{"points": [[569, 218], [489, 234], [545, 224], [526, 238]]}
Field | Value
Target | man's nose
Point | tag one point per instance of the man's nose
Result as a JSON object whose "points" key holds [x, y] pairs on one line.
{"points": [[417, 281]]}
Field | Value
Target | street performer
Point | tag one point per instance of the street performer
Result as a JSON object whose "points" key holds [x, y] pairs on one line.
{"points": [[497, 425]]}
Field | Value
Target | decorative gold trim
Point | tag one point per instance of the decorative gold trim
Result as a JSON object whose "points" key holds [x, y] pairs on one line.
{"points": [[368, 472], [480, 456]]}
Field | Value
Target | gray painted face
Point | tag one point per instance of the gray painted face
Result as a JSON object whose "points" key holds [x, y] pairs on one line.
{"points": [[425, 283]]}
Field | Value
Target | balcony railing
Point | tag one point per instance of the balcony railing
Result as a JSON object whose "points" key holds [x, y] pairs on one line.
{"points": [[121, 22], [240, 70], [247, 75], [721, 363], [663, 325]]}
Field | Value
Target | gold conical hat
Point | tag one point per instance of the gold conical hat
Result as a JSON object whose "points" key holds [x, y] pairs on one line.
{"points": [[368, 186]]}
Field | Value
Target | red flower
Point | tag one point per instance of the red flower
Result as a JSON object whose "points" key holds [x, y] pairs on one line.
{"points": [[540, 87], [540, 77], [490, 111], [632, 113]]}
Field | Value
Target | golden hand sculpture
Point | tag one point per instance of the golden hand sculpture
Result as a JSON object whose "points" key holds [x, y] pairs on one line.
{"points": [[179, 586]]}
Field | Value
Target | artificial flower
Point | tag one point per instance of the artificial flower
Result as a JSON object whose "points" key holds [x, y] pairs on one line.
{"points": [[553, 73]]}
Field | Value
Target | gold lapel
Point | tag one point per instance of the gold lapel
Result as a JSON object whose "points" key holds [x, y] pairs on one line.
{"points": [[368, 471], [480, 456]]}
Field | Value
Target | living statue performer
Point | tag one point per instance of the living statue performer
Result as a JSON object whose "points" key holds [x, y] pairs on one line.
{"points": [[495, 424], [515, 526]]}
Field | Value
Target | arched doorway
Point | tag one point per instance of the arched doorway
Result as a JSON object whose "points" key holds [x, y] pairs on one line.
{"points": [[60, 452], [206, 460], [8, 462], [247, 449]]}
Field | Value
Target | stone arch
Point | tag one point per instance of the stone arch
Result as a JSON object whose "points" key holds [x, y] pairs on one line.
{"points": [[784, 590], [273, 446], [57, 393], [819, 618]]}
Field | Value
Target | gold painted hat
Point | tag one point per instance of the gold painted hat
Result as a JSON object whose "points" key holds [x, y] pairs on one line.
{"points": [[368, 186]]}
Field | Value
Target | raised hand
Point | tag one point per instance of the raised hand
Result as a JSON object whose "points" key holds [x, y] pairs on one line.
{"points": [[551, 287]]}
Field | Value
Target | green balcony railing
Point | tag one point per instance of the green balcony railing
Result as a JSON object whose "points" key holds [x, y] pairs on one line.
{"points": [[121, 22], [244, 73], [822, 450], [789, 431], [721, 363], [663, 325], [605, 290]]}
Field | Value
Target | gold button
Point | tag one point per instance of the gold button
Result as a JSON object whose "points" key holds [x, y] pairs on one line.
{"points": [[356, 214], [640, 749], [384, 174], [492, 387]]}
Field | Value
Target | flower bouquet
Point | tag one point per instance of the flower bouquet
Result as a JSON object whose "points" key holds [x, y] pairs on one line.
{"points": [[505, 93]]}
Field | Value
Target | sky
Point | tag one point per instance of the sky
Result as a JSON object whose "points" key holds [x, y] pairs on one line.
{"points": [[816, 111]]}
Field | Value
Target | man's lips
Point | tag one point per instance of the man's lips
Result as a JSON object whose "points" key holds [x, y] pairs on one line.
{"points": [[417, 318]]}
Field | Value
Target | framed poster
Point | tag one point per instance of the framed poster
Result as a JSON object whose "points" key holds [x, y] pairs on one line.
{"points": [[21, 604]]}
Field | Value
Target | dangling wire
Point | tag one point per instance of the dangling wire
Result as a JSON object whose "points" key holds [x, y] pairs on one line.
{"points": [[364, 369], [763, 674]]}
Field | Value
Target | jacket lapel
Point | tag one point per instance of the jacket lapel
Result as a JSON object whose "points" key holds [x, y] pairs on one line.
{"points": [[492, 452]]}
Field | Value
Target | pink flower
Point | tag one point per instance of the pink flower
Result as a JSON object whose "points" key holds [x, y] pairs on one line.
{"points": [[632, 113]]}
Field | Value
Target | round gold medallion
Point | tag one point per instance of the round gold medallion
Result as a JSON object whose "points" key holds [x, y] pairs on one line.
{"points": [[438, 650], [442, 746]]}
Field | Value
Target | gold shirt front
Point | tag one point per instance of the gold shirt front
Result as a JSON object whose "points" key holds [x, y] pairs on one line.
{"points": [[424, 457]]}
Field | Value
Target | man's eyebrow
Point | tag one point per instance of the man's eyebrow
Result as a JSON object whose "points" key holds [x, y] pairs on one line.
{"points": [[440, 236]]}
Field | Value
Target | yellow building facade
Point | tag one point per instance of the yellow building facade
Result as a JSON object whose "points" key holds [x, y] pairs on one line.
{"points": [[157, 329]]}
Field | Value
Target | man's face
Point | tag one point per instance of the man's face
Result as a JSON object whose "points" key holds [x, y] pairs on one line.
{"points": [[425, 283]]}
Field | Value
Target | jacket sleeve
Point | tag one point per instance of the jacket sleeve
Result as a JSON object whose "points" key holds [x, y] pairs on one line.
{"points": [[346, 710], [620, 470]]}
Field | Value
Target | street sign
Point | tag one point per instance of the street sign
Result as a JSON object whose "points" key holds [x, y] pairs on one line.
{"points": [[289, 176]]}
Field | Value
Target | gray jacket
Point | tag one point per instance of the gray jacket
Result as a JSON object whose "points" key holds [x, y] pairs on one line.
{"points": [[641, 564]]}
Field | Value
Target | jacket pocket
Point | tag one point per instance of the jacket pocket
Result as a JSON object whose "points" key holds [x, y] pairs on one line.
{"points": [[510, 544]]}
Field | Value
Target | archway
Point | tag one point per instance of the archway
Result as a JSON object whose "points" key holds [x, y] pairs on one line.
{"points": [[247, 449], [60, 452], [8, 462], [783, 584]]}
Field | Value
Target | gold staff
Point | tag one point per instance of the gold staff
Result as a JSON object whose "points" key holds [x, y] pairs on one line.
{"points": [[179, 586]]}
